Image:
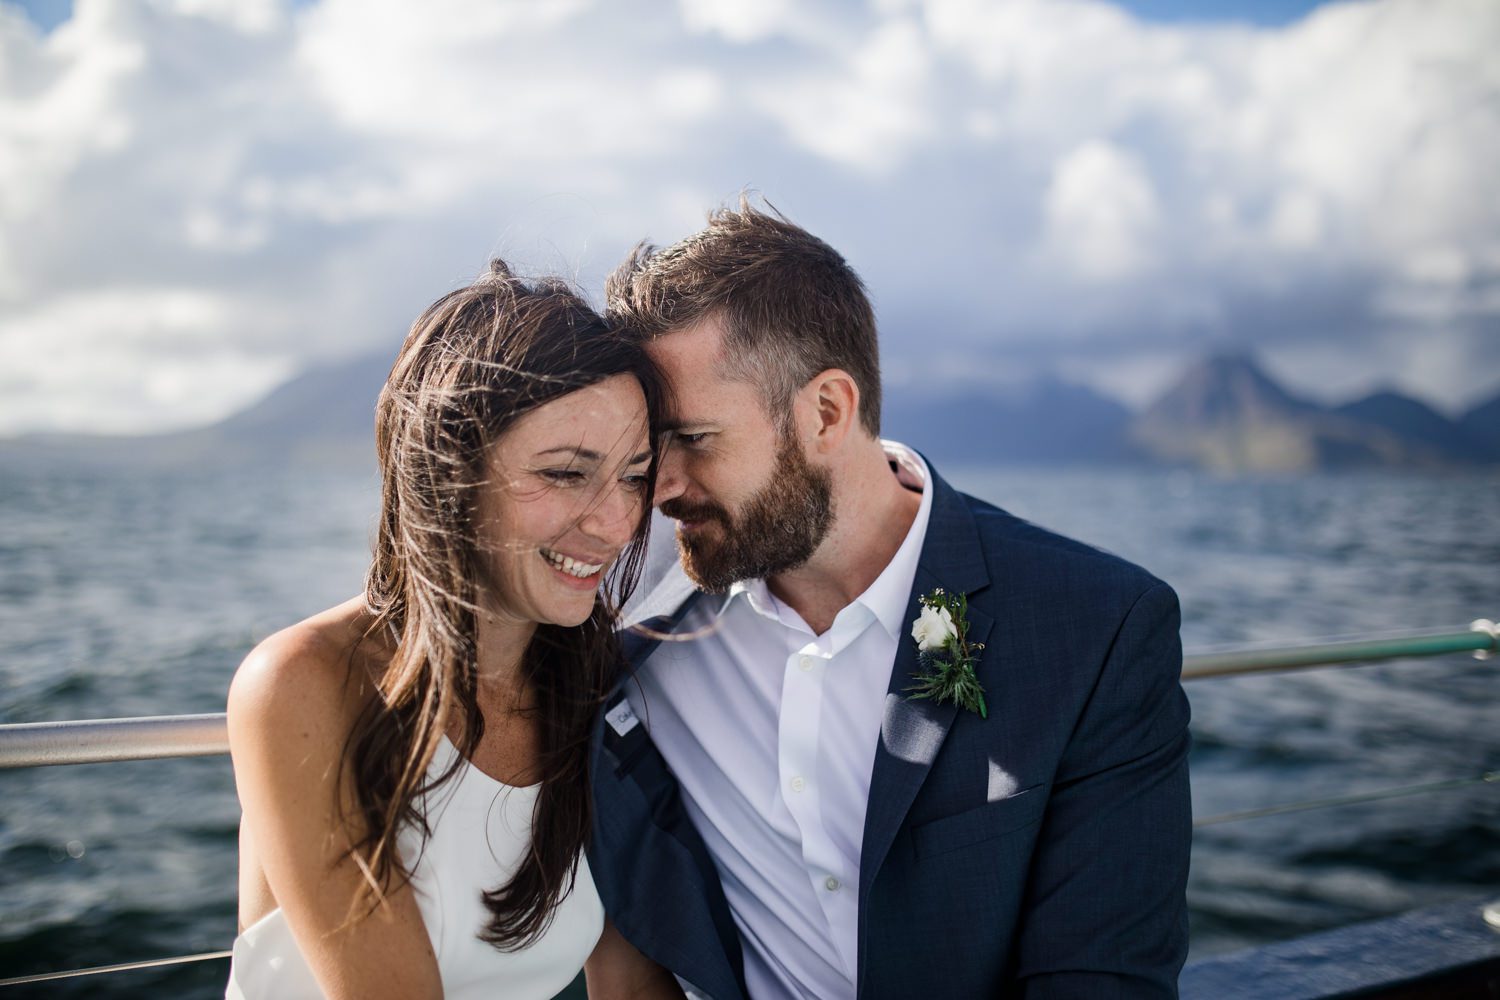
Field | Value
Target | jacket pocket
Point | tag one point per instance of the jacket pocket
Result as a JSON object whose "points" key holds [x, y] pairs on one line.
{"points": [[985, 822]]}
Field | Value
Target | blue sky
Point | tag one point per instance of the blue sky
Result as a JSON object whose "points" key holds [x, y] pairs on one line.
{"points": [[1262, 12], [49, 13], [199, 198]]}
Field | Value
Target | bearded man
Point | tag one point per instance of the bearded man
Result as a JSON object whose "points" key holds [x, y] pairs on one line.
{"points": [[797, 797]]}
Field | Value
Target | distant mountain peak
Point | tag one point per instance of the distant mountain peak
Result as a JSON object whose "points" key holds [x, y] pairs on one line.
{"points": [[1414, 421], [1226, 388], [1389, 400], [1226, 413]]}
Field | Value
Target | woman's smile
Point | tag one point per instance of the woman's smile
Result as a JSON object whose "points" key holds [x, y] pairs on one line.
{"points": [[575, 573]]}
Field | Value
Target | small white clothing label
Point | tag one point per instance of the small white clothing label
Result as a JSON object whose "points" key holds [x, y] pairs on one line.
{"points": [[622, 718]]}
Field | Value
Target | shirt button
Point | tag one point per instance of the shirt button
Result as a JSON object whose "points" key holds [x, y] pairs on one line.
{"points": [[831, 884], [807, 663], [798, 784]]}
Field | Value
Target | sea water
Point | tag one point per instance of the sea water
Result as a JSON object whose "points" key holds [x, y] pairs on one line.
{"points": [[128, 593]]}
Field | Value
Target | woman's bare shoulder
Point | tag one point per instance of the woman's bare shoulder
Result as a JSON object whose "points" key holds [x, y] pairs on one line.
{"points": [[312, 673]]}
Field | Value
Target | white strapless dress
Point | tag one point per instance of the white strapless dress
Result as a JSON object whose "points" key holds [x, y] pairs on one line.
{"points": [[481, 828]]}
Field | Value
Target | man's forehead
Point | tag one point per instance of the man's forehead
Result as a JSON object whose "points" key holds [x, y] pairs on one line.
{"points": [[699, 344], [692, 359], [716, 409], [705, 387]]}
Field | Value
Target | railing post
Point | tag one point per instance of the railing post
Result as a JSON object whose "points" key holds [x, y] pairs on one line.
{"points": [[1491, 629]]}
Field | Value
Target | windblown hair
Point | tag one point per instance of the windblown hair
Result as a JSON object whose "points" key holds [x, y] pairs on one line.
{"points": [[792, 306], [473, 362]]}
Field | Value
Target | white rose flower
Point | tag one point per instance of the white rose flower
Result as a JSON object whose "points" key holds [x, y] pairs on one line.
{"points": [[932, 629]]}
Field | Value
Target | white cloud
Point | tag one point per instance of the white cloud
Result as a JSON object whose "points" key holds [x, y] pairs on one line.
{"points": [[125, 361], [738, 20], [60, 102], [1101, 213], [1297, 220], [1049, 181], [688, 94], [249, 16], [867, 109]]}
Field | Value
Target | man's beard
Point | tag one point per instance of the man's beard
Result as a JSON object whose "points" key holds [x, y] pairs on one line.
{"points": [[779, 529]]}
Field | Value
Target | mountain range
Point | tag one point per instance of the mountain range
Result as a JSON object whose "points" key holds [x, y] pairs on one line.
{"points": [[1223, 413]]}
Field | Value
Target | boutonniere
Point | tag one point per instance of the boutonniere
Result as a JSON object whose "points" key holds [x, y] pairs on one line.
{"points": [[945, 654]]}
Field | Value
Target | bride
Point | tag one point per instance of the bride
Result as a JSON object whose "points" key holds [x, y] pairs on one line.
{"points": [[412, 764]]}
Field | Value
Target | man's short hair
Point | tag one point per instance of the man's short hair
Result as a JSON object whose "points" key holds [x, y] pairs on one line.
{"points": [[791, 305]]}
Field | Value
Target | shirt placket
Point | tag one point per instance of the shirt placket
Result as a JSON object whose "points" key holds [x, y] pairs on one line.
{"points": [[804, 688]]}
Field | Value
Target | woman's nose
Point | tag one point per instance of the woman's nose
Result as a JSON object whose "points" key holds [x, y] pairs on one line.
{"points": [[615, 516]]}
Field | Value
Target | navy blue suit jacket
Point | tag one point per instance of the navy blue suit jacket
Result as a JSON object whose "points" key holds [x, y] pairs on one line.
{"points": [[1039, 852]]}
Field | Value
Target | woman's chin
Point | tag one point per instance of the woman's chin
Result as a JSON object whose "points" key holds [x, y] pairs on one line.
{"points": [[573, 621], [570, 613]]}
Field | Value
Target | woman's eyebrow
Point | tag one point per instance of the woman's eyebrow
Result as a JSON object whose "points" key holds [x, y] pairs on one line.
{"points": [[589, 455]]}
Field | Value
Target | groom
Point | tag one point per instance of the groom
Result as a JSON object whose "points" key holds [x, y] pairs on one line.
{"points": [[777, 813]]}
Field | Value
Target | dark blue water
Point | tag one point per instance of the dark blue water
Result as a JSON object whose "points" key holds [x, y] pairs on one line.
{"points": [[127, 594]]}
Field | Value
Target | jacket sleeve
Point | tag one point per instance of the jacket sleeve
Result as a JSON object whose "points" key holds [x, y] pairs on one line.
{"points": [[1105, 910]]}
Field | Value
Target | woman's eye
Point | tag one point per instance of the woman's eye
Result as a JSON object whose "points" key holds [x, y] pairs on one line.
{"points": [[692, 440], [563, 477], [635, 481]]}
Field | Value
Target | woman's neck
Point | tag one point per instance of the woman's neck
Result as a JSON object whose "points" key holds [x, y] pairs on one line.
{"points": [[506, 701], [500, 642]]}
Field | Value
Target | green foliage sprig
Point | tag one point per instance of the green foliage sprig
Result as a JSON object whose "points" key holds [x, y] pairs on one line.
{"points": [[945, 655]]}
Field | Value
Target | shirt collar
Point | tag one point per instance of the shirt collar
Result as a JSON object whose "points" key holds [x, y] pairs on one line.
{"points": [[757, 593], [886, 597]]}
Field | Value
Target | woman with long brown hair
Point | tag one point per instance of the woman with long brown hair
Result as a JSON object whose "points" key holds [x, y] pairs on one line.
{"points": [[413, 764]]}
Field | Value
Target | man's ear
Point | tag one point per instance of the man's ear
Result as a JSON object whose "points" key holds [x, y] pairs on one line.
{"points": [[830, 409]]}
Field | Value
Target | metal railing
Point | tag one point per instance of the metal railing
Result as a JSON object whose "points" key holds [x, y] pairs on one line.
{"points": [[155, 963], [95, 741], [44, 744], [1482, 638]]}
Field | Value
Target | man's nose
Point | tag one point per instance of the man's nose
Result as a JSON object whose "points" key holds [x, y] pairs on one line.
{"points": [[671, 475]]}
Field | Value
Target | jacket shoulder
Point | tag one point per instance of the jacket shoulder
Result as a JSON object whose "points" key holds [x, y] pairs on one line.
{"points": [[1013, 545]]}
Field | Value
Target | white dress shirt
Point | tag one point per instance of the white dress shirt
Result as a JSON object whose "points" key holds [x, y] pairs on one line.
{"points": [[771, 732]]}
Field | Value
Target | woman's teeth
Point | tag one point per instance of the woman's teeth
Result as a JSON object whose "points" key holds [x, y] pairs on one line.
{"points": [[571, 566]]}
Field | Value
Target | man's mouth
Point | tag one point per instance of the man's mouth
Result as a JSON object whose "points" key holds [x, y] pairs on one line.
{"points": [[572, 567], [692, 518]]}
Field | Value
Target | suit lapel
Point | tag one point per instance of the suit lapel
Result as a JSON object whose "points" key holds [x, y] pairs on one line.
{"points": [[912, 731], [655, 875]]}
